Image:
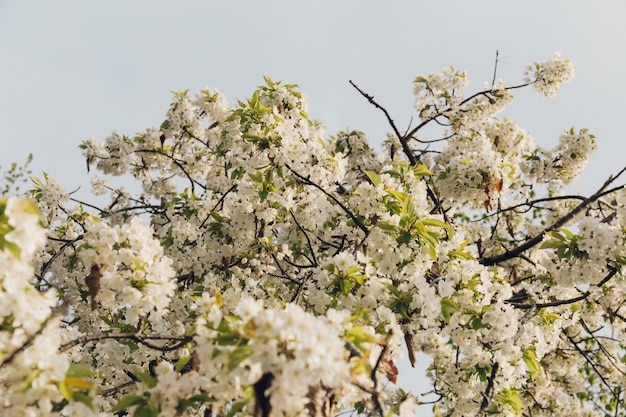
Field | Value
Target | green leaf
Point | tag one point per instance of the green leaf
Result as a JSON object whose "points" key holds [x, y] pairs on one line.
{"points": [[256, 177], [459, 254], [448, 306], [128, 401], [551, 244], [83, 398], [180, 364], [345, 286], [509, 397], [357, 336], [435, 223], [147, 379], [72, 382], [432, 253], [567, 233], [397, 195], [238, 355], [392, 289], [555, 235], [239, 405], [28, 206], [193, 402], [36, 181], [218, 217], [549, 318], [477, 323], [389, 227], [12, 247], [404, 237], [530, 358], [422, 171], [145, 410], [65, 390], [374, 178]]}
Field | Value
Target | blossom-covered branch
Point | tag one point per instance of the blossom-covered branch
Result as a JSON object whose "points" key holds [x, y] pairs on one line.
{"points": [[255, 267]]}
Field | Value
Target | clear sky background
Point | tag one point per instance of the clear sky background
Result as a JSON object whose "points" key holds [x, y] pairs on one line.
{"points": [[74, 69]]}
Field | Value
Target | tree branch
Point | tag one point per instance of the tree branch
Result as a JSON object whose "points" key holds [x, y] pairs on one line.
{"points": [[493, 260], [611, 274], [371, 100], [136, 337], [27, 343], [307, 181]]}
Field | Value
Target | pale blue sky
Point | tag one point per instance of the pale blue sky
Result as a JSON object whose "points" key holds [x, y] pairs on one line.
{"points": [[73, 69]]}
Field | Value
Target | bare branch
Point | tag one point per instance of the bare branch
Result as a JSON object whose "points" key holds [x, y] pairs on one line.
{"points": [[495, 69], [370, 99], [405, 147]]}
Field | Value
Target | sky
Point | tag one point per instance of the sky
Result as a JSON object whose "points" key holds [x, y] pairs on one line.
{"points": [[74, 69]]}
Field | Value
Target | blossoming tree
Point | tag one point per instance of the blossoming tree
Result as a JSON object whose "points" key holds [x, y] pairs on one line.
{"points": [[260, 269]]}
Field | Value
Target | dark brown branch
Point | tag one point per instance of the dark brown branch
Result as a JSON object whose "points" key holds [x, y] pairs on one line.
{"points": [[495, 69], [377, 402], [262, 404], [88, 205], [603, 349], [493, 260], [402, 138], [48, 263], [136, 337], [313, 259], [220, 201], [468, 99], [307, 181], [611, 274], [371, 100], [175, 162], [26, 344], [488, 390], [405, 144], [593, 366], [530, 205], [282, 270]]}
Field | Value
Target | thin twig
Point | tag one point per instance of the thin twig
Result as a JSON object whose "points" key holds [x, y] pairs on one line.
{"points": [[313, 261], [493, 260], [495, 69], [307, 181], [374, 393], [488, 390], [593, 366], [611, 274], [27, 343], [136, 337], [48, 263], [371, 100]]}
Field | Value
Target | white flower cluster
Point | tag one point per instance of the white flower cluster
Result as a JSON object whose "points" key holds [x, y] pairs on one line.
{"points": [[546, 76], [300, 355], [439, 92], [261, 269], [30, 367], [484, 157], [133, 277]]}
